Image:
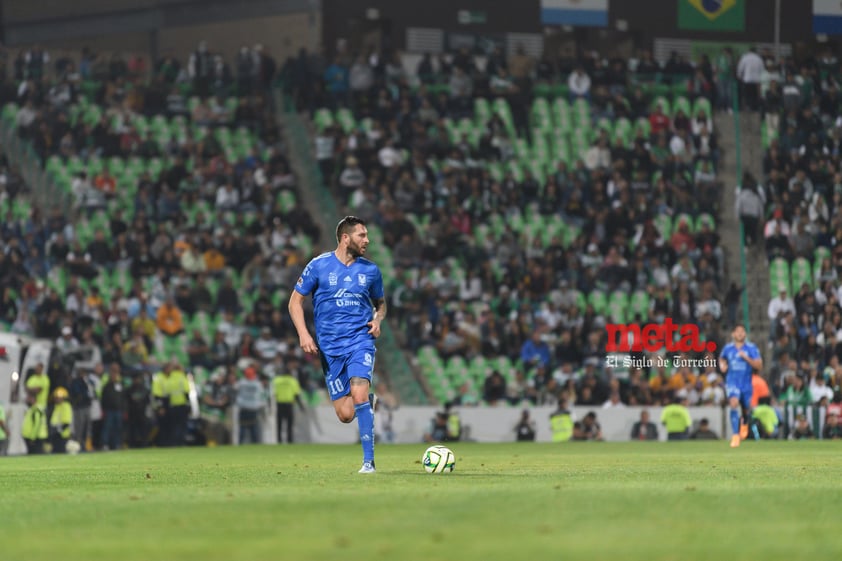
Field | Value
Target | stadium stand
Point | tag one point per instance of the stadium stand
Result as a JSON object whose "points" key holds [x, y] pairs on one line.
{"points": [[172, 189], [512, 208], [802, 189]]}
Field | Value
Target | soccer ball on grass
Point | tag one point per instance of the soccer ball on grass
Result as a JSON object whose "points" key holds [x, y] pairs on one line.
{"points": [[438, 459], [72, 447]]}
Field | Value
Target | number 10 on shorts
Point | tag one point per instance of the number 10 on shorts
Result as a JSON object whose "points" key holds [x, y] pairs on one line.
{"points": [[335, 386]]}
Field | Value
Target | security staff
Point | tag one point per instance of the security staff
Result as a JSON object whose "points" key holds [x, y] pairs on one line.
{"points": [[170, 390], [61, 421], [287, 390], [34, 428], [561, 423]]}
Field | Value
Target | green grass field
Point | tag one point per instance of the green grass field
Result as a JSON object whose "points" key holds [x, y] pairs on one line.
{"points": [[509, 502]]}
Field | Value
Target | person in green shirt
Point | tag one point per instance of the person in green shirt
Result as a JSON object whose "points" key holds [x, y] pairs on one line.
{"points": [[38, 385], [676, 419], [796, 394], [765, 419]]}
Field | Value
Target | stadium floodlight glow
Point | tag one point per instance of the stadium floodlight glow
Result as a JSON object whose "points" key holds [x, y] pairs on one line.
{"points": [[15, 376]]}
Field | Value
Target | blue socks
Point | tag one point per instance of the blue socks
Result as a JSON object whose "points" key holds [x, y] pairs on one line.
{"points": [[365, 421], [735, 421]]}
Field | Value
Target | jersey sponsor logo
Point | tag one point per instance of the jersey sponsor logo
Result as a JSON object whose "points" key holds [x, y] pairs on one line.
{"points": [[332, 279], [345, 302], [361, 279]]}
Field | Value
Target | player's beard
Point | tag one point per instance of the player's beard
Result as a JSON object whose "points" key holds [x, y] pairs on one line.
{"points": [[355, 249]]}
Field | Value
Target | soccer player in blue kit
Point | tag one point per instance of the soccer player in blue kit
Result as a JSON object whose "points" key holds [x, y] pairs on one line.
{"points": [[738, 360], [349, 305]]}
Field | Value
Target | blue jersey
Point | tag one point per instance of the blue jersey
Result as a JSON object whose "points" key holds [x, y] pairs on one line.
{"points": [[739, 371], [342, 301]]}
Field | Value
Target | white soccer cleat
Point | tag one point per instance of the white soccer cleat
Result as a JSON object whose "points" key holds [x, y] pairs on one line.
{"points": [[368, 467]]}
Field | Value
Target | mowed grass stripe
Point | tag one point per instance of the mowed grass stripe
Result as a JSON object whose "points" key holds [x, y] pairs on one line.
{"points": [[687, 500]]}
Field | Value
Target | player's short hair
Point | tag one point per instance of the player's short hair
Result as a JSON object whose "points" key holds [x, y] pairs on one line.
{"points": [[346, 225], [739, 324]]}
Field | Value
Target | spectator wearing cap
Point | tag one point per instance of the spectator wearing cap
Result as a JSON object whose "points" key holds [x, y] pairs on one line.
{"points": [[61, 421], [67, 343]]}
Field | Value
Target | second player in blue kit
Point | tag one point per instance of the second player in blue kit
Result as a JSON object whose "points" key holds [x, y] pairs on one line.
{"points": [[739, 359]]}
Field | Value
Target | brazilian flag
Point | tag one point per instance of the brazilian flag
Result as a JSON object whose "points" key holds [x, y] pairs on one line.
{"points": [[712, 15]]}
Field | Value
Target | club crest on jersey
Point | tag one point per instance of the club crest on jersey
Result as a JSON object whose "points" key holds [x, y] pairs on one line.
{"points": [[361, 279], [367, 359], [332, 279]]}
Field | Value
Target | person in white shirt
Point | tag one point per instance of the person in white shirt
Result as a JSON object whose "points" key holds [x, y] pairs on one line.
{"points": [[778, 307], [750, 73], [227, 198], [819, 389], [579, 84]]}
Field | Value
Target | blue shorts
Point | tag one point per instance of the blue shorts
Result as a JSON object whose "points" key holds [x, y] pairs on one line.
{"points": [[742, 394], [338, 370]]}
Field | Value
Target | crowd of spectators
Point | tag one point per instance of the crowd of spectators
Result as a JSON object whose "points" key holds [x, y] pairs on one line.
{"points": [[795, 211], [471, 279], [185, 266]]}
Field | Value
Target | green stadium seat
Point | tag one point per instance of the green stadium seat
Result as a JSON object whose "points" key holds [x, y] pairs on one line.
{"points": [[779, 275], [802, 272], [598, 300], [618, 304]]}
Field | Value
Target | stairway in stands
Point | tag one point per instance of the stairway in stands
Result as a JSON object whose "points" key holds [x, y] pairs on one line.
{"points": [[757, 268]]}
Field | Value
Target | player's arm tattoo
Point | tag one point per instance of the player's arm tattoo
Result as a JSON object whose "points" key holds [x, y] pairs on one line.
{"points": [[380, 308]]}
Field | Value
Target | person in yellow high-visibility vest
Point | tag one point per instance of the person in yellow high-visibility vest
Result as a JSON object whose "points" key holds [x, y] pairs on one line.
{"points": [[61, 421], [179, 391], [161, 404], [287, 390], [38, 385], [170, 390], [561, 423], [34, 427]]}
